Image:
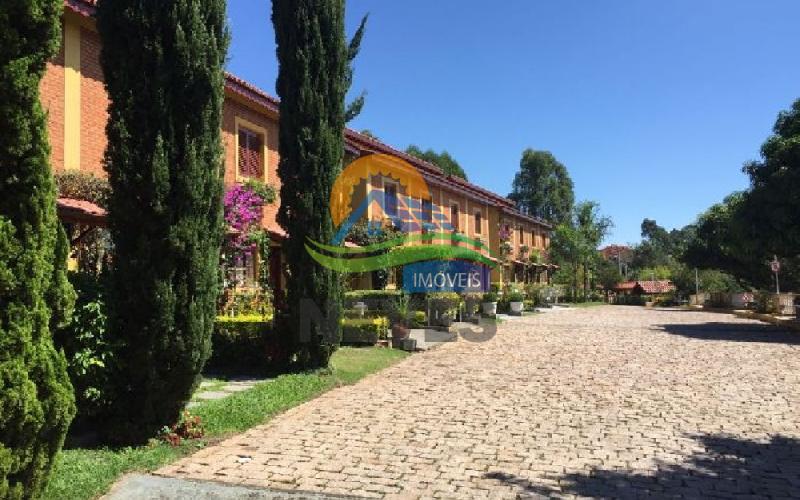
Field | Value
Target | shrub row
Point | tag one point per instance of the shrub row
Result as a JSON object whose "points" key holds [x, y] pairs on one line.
{"points": [[364, 331]]}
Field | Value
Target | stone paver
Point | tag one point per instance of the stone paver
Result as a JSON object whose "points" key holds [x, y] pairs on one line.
{"points": [[609, 402]]}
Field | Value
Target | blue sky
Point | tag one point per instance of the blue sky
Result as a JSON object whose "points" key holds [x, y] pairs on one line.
{"points": [[652, 106]]}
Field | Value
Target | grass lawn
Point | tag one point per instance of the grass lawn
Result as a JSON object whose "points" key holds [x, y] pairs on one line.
{"points": [[88, 473], [586, 304]]}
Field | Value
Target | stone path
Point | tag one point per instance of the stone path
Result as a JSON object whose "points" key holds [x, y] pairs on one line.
{"points": [[220, 389], [608, 402]]}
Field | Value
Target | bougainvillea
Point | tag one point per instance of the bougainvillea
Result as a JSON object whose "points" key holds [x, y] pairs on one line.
{"points": [[243, 207]]}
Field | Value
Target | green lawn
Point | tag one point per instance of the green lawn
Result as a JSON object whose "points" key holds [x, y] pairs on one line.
{"points": [[585, 304], [88, 473]]}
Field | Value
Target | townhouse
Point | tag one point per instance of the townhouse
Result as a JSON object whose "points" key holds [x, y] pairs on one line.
{"points": [[73, 93]]}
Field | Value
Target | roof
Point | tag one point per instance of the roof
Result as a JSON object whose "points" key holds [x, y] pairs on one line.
{"points": [[355, 141], [611, 251], [646, 287], [80, 211]]}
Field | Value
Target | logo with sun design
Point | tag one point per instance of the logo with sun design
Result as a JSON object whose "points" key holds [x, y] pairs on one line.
{"points": [[392, 197]]}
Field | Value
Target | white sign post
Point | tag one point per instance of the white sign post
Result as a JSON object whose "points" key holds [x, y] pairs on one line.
{"points": [[775, 265]]}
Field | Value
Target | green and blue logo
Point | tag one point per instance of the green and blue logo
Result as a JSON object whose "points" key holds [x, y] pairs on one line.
{"points": [[390, 194]]}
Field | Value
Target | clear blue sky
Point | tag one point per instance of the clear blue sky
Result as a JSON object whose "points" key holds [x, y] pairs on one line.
{"points": [[652, 106]]}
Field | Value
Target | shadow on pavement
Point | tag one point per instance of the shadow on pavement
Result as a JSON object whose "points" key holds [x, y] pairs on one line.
{"points": [[736, 332], [729, 468]]}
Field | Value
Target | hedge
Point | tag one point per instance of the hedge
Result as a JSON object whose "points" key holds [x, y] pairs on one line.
{"points": [[364, 330], [248, 344]]}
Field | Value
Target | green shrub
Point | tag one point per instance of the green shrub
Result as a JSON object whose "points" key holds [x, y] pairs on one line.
{"points": [[364, 331], [766, 302], [85, 186], [249, 344], [86, 347], [418, 319], [375, 300], [630, 300], [515, 296], [36, 400], [356, 314], [490, 297]]}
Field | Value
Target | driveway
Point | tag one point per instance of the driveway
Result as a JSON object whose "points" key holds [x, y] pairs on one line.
{"points": [[604, 401]]}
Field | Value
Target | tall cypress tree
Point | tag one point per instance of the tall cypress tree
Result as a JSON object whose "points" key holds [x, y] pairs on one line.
{"points": [[163, 64], [36, 401], [312, 82]]}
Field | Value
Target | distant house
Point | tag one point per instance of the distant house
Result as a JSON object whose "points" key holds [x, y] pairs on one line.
{"points": [[657, 287], [616, 253]]}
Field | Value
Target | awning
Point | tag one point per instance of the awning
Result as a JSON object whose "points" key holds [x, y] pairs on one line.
{"points": [[81, 212]]}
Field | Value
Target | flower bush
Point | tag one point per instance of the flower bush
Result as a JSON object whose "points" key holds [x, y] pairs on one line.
{"points": [[188, 427], [243, 205]]}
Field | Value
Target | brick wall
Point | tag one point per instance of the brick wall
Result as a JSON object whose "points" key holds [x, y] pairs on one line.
{"points": [[51, 92], [94, 105]]}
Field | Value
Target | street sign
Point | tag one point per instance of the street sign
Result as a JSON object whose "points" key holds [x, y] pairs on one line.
{"points": [[775, 265]]}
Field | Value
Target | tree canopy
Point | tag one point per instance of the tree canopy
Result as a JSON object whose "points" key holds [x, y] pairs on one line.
{"points": [[543, 187], [442, 160], [312, 81], [748, 229], [36, 398], [164, 162]]}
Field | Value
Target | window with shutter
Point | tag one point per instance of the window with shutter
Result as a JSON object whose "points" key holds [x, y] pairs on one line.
{"points": [[251, 154]]}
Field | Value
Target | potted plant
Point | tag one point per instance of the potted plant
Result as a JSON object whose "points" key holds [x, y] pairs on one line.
{"points": [[400, 329], [516, 302], [489, 303]]}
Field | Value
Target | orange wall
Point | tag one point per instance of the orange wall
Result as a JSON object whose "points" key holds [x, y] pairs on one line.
{"points": [[94, 116]]}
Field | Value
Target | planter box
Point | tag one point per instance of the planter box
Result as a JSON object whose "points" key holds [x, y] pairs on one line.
{"points": [[489, 308], [516, 308]]}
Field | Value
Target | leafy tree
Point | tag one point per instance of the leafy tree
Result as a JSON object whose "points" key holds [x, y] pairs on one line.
{"points": [[543, 187], [36, 400], [724, 239], [163, 65], [744, 232], [442, 160], [574, 245], [608, 275], [593, 229], [312, 81]]}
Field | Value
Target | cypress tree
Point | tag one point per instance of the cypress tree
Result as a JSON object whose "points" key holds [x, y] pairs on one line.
{"points": [[163, 64], [312, 82], [36, 401]]}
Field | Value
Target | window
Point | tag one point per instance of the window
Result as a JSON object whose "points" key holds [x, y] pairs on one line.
{"points": [[521, 236], [427, 210], [478, 222], [251, 153], [390, 199], [454, 216]]}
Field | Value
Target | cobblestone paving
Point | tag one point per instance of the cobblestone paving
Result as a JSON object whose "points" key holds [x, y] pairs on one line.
{"points": [[608, 402]]}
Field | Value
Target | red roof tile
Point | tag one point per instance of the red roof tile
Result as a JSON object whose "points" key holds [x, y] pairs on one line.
{"points": [[80, 211]]}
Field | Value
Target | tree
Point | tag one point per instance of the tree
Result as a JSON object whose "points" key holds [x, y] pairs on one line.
{"points": [[574, 244], [443, 160], [543, 188], [354, 108], [36, 400], [724, 239], [608, 275], [592, 229], [163, 65], [312, 82]]}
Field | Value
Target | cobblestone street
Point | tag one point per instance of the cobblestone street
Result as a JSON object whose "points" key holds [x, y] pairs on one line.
{"points": [[603, 401]]}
